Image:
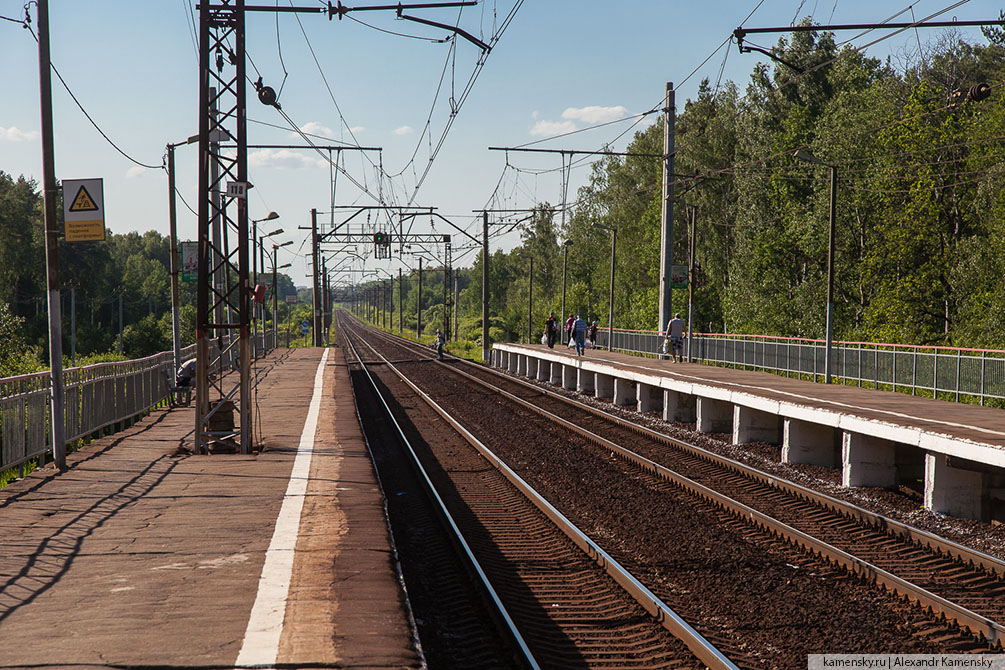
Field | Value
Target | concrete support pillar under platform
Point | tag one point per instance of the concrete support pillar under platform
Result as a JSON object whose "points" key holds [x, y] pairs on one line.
{"points": [[810, 443], [605, 386], [521, 365], [569, 377], [751, 425], [953, 491], [714, 416], [585, 381], [624, 391], [512, 361], [679, 407], [543, 370], [556, 373], [650, 398], [868, 461]]}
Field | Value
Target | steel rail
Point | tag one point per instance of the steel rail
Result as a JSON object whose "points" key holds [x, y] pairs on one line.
{"points": [[977, 624], [692, 639], [509, 626], [921, 537]]}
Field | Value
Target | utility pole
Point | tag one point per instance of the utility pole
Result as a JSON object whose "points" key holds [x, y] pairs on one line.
{"points": [[120, 321], [485, 287], [326, 302], [175, 293], [51, 238], [690, 284], [530, 302], [73, 326], [666, 232], [446, 303], [457, 296], [275, 298], [565, 268], [418, 308], [317, 283], [401, 321]]}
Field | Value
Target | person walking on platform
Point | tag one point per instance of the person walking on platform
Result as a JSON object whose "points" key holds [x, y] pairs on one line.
{"points": [[675, 334], [579, 329], [551, 330], [593, 334], [568, 326], [440, 341]]}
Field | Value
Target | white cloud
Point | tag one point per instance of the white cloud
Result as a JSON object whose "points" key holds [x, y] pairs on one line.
{"points": [[403, 130], [594, 114], [283, 159], [135, 171], [12, 134], [357, 129], [533, 115], [315, 128], [547, 128]]}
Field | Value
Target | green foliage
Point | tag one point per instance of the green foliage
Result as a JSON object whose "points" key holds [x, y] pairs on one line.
{"points": [[15, 357], [920, 217]]}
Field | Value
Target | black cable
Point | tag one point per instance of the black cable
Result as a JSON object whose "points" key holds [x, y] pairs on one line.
{"points": [[391, 32], [84, 111]]}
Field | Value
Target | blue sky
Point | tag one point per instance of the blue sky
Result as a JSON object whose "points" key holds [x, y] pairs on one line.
{"points": [[560, 65]]}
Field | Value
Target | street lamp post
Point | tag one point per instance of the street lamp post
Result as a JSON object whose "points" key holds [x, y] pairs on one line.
{"points": [[275, 293], [610, 309], [829, 327], [565, 265], [255, 243], [261, 255]]}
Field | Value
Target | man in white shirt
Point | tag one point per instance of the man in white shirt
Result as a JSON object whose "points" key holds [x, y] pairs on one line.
{"points": [[676, 333]]}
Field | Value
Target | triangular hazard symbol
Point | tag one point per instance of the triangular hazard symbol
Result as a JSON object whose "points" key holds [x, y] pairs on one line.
{"points": [[83, 202]]}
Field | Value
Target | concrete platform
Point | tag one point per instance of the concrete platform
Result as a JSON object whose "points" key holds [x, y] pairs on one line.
{"points": [[144, 555], [877, 438]]}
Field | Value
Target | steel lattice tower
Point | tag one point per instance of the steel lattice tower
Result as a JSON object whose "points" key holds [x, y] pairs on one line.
{"points": [[223, 304]]}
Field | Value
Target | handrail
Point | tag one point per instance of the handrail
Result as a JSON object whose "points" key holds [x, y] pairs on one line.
{"points": [[810, 340]]}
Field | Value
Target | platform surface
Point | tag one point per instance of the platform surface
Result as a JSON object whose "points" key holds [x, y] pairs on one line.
{"points": [[144, 555], [971, 423]]}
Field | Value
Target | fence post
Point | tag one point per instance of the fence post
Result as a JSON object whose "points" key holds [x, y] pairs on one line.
{"points": [[914, 372], [935, 375], [983, 364], [959, 360], [894, 369]]}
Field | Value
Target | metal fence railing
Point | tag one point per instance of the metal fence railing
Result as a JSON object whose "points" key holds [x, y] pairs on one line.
{"points": [[977, 373], [94, 398]]}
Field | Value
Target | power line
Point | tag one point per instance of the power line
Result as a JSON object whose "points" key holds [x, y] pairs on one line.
{"points": [[84, 111]]}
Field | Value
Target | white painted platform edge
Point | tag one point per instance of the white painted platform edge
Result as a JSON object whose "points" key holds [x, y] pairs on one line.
{"points": [[265, 625]]}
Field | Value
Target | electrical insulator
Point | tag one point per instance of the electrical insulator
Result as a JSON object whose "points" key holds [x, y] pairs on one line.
{"points": [[978, 92]]}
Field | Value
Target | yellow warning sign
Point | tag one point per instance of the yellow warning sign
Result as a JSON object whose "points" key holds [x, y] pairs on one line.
{"points": [[83, 202], [84, 210]]}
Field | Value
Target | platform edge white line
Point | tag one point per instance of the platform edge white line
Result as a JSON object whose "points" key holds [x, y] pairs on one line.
{"points": [[265, 625]]}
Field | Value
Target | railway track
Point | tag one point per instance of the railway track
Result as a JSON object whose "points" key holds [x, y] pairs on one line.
{"points": [[953, 581], [574, 614]]}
